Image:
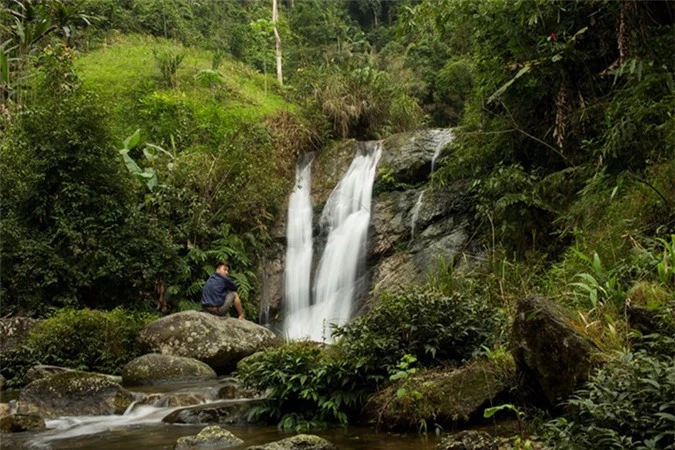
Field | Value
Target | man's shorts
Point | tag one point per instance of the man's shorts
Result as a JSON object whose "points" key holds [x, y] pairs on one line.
{"points": [[222, 309]]}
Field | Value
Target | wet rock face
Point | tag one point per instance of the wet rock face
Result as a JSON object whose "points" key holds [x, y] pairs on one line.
{"points": [[468, 440], [298, 442], [220, 412], [217, 341], [552, 357], [74, 394], [155, 369], [212, 437], [14, 331], [410, 155]]}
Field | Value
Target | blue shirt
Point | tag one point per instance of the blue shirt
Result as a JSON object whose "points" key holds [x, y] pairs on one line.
{"points": [[215, 290]]}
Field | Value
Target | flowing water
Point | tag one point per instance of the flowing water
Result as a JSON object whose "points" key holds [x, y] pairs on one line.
{"points": [[416, 213], [299, 250], [141, 427], [441, 137], [345, 218]]}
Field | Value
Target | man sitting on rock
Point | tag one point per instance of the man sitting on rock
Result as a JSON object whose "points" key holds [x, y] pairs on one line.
{"points": [[220, 293]]}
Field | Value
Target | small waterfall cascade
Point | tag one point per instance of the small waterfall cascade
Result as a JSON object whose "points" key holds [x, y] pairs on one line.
{"points": [[299, 248], [416, 213], [441, 137], [345, 218]]}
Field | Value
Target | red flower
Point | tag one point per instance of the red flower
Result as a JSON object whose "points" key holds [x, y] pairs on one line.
{"points": [[551, 37]]}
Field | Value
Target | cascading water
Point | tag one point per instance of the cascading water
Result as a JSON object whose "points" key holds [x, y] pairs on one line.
{"points": [[346, 217], [416, 213], [299, 248]]}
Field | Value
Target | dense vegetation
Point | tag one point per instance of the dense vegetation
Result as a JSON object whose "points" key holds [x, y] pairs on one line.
{"points": [[136, 135]]}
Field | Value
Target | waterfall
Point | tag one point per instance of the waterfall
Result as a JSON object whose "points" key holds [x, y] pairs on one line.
{"points": [[345, 218], [299, 246], [442, 137], [416, 213]]}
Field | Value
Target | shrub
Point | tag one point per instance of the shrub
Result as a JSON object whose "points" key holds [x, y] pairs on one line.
{"points": [[432, 328], [307, 385], [629, 404]]}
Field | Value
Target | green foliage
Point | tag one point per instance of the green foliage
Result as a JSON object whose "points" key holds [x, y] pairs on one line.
{"points": [[629, 404], [308, 386], [103, 342], [429, 327], [168, 62]]}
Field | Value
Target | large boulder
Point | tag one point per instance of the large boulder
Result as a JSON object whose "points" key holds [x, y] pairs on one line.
{"points": [[14, 332], [443, 397], [219, 342], [212, 437], [220, 412], [74, 394], [41, 371], [154, 369], [298, 442], [553, 359]]}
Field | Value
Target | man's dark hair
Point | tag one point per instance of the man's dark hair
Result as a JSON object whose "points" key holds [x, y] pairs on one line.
{"points": [[223, 263]]}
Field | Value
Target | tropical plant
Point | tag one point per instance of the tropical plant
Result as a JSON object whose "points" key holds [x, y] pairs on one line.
{"points": [[167, 62]]}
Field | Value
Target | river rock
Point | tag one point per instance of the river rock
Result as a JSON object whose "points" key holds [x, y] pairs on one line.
{"points": [[14, 332], [443, 396], [41, 371], [212, 437], [468, 440], [409, 155], [74, 394], [5, 409], [220, 412], [22, 422], [3, 381], [298, 442], [553, 359], [154, 369], [218, 341]]}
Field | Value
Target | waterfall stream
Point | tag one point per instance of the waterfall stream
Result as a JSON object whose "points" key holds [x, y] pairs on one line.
{"points": [[345, 218]]}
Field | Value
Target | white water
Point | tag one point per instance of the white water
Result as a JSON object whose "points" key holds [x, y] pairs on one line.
{"points": [[299, 247], [442, 137], [346, 217], [416, 213]]}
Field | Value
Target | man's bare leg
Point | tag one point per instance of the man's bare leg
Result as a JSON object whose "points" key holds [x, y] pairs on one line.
{"points": [[237, 306]]}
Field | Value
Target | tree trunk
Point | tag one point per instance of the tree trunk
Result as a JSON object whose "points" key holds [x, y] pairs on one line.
{"points": [[277, 39]]}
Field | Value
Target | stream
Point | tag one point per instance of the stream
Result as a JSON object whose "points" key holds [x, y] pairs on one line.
{"points": [[141, 427]]}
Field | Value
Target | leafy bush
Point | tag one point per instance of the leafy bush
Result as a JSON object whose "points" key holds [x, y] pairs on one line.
{"points": [[629, 404], [307, 385], [427, 326], [90, 340]]}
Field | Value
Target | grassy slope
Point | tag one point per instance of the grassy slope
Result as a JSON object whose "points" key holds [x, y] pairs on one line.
{"points": [[124, 73]]}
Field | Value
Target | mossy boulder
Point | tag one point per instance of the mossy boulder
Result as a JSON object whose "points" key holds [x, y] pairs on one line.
{"points": [[442, 397], [468, 440], [298, 442], [217, 341], [14, 332], [16, 423], [74, 394], [552, 358], [155, 369], [212, 437]]}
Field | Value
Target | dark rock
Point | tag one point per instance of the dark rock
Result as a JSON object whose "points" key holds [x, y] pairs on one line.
{"points": [[22, 422], [553, 359], [14, 332], [155, 369], [230, 389], [3, 381], [74, 394], [213, 437], [650, 309], [468, 440], [271, 276], [298, 442], [410, 155], [443, 396], [217, 341], [220, 412]]}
